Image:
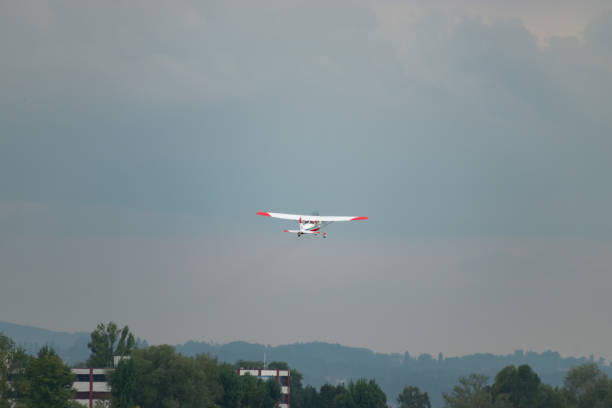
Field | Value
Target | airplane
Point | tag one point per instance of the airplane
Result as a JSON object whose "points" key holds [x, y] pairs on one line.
{"points": [[310, 224]]}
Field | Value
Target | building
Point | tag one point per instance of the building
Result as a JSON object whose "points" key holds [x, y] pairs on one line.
{"points": [[282, 377], [91, 385]]}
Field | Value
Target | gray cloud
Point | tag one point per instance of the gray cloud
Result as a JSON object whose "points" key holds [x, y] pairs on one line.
{"points": [[134, 137]]}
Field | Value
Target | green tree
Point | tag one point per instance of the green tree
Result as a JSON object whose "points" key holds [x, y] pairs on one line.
{"points": [[297, 388], [520, 384], [108, 341], [258, 393], [232, 387], [272, 394], [7, 348], [250, 364], [581, 378], [597, 395], [470, 392], [549, 397], [208, 369], [310, 397], [588, 387], [412, 397], [362, 394], [278, 365], [166, 379], [20, 385], [50, 381], [328, 394], [123, 381]]}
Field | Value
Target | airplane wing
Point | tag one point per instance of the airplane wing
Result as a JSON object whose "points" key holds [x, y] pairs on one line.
{"points": [[306, 218]]}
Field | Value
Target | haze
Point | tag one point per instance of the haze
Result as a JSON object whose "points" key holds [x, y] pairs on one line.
{"points": [[138, 139]]}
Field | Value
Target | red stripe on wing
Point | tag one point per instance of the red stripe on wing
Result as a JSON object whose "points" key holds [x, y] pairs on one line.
{"points": [[265, 214], [359, 218]]}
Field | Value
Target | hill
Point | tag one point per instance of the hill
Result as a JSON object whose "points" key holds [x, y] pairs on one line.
{"points": [[72, 347]]}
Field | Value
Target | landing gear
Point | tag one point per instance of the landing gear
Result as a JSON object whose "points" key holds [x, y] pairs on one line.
{"points": [[325, 235]]}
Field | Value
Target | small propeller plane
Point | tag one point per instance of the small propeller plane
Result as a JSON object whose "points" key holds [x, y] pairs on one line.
{"points": [[310, 224]]}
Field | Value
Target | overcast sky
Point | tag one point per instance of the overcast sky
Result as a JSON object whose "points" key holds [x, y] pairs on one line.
{"points": [[138, 139]]}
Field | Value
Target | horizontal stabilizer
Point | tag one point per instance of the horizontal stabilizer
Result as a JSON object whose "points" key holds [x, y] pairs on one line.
{"points": [[302, 232]]}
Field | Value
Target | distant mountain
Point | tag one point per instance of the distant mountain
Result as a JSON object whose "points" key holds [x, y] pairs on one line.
{"points": [[322, 363], [72, 347]]}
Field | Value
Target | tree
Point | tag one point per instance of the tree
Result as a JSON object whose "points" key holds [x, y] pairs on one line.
{"points": [[50, 381], [166, 379], [272, 394], [123, 384], [520, 384], [249, 364], [208, 370], [310, 397], [7, 348], [108, 341], [297, 389], [232, 387], [587, 386], [471, 392], [549, 397], [258, 393], [412, 397], [580, 378], [362, 394], [20, 385], [328, 394]]}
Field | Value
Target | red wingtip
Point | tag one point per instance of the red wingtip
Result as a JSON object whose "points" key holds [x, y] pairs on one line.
{"points": [[265, 214], [285, 230], [359, 218]]}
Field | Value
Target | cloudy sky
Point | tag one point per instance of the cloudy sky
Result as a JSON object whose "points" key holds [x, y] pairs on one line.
{"points": [[138, 139]]}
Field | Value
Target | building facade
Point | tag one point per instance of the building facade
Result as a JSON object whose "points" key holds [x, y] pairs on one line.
{"points": [[282, 377], [91, 386]]}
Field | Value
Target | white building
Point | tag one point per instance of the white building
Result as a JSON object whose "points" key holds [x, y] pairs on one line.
{"points": [[91, 385], [282, 377]]}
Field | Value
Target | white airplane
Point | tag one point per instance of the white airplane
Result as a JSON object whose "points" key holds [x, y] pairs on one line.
{"points": [[310, 224]]}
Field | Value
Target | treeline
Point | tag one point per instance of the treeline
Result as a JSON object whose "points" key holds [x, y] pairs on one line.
{"points": [[158, 376], [155, 377], [585, 386], [322, 363]]}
